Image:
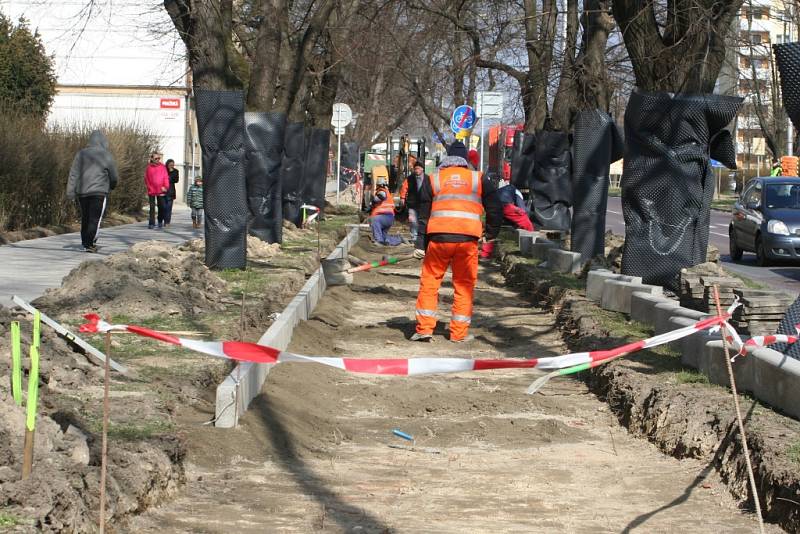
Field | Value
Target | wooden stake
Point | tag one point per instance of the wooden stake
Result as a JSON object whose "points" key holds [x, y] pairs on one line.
{"points": [[27, 454], [104, 447]]}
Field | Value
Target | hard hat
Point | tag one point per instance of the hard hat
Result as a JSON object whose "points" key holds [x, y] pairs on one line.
{"points": [[380, 175]]}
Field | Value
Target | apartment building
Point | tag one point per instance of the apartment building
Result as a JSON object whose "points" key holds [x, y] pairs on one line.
{"points": [[761, 24]]}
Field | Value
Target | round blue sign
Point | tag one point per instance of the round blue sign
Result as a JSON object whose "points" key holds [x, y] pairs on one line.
{"points": [[463, 118]]}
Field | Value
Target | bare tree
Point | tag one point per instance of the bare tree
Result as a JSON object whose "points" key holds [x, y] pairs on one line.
{"points": [[676, 45]]}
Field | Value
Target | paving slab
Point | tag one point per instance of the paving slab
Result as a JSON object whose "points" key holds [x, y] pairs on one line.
{"points": [[28, 268]]}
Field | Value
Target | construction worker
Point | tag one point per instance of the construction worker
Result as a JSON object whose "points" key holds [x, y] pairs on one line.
{"points": [[776, 169], [451, 233], [382, 209], [415, 189], [515, 213]]}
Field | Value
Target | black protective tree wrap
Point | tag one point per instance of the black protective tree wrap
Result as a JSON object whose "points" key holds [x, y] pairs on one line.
{"points": [[292, 171], [787, 326], [264, 153], [787, 56], [522, 154], [552, 186], [312, 186], [667, 181], [220, 124], [597, 143], [349, 164]]}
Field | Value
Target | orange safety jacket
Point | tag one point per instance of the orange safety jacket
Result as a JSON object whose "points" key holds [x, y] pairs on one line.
{"points": [[385, 207], [457, 205]]}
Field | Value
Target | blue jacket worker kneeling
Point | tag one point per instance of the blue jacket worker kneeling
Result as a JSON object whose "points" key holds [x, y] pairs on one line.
{"points": [[382, 209]]}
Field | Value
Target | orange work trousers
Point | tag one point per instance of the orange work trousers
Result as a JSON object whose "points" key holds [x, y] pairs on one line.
{"points": [[462, 258]]}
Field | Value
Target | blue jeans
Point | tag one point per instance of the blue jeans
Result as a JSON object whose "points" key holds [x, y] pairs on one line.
{"points": [[380, 230], [168, 200]]}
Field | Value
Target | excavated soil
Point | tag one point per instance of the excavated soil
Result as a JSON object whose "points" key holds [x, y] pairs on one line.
{"points": [[316, 453], [166, 399]]}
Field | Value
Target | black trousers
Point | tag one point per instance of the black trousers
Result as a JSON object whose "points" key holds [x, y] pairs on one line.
{"points": [[92, 209], [159, 203]]}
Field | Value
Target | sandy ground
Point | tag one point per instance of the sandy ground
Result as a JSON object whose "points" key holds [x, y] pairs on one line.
{"points": [[313, 452]]}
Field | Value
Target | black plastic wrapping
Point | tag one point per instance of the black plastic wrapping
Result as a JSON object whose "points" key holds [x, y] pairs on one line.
{"points": [[349, 164], [552, 186], [264, 153], [292, 171], [220, 123], [787, 326], [667, 181], [312, 185], [522, 154], [596, 144], [787, 55]]}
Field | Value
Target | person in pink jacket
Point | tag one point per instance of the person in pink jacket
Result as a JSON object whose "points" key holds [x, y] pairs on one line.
{"points": [[156, 179]]}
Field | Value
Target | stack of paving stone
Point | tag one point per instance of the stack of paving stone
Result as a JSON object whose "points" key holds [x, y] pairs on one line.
{"points": [[692, 292], [726, 284], [760, 312]]}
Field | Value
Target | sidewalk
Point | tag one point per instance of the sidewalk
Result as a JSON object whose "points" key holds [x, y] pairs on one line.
{"points": [[28, 268]]}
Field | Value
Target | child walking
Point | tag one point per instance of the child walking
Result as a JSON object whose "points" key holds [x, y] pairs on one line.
{"points": [[194, 198]]}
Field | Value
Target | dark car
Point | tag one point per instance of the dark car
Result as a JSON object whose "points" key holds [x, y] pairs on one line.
{"points": [[766, 220]]}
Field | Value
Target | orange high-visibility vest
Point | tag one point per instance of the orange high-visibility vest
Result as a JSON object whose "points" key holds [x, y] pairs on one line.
{"points": [[457, 206], [385, 207]]}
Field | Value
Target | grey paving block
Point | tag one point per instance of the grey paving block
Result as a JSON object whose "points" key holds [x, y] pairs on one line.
{"points": [[596, 278], [643, 305], [563, 261], [662, 313], [617, 294], [540, 247], [743, 367], [525, 239], [776, 380]]}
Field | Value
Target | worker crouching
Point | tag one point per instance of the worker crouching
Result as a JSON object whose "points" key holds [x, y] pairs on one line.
{"points": [[382, 210], [452, 232], [515, 213]]}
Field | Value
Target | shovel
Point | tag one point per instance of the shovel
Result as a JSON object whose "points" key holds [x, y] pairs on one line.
{"points": [[390, 260]]}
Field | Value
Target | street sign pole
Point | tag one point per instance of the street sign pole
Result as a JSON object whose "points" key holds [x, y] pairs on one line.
{"points": [[341, 117], [338, 163], [480, 100]]}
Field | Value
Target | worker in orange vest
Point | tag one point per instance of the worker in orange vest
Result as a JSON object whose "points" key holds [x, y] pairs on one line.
{"points": [[452, 232], [382, 210]]}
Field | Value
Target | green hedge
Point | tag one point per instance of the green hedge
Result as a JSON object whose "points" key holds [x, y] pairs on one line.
{"points": [[35, 163]]}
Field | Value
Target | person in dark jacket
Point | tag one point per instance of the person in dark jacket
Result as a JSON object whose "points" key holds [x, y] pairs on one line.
{"points": [[91, 178], [416, 189], [169, 198]]}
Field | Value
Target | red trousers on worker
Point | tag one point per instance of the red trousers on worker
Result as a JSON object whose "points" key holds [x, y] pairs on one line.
{"points": [[462, 258]]}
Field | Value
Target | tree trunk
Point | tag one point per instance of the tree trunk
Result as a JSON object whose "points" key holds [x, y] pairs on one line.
{"points": [[684, 57]]}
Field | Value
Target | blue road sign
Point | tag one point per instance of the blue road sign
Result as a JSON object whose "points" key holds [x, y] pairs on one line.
{"points": [[463, 119], [715, 163]]}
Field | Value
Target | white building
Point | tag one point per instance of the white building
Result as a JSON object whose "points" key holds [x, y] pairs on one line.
{"points": [[118, 62], [761, 24]]}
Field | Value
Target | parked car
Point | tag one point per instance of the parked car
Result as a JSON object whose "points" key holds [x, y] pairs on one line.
{"points": [[766, 220]]}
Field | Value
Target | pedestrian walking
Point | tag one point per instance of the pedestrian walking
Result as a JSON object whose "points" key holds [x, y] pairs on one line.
{"points": [[172, 193], [194, 199], [91, 178], [460, 198], [157, 181]]}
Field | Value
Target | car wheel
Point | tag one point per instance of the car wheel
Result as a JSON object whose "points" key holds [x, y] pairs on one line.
{"points": [[735, 251], [761, 254]]}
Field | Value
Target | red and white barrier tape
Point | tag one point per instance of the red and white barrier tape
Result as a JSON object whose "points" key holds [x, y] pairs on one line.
{"points": [[252, 352]]}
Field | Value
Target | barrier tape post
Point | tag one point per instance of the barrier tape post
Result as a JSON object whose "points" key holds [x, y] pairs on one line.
{"points": [[30, 420], [16, 363], [104, 446], [739, 421]]}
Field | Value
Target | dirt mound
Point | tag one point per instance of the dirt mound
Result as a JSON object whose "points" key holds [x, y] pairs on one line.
{"points": [[151, 278], [67, 445]]}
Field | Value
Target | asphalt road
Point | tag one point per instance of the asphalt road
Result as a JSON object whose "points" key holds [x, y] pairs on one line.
{"points": [[785, 277]]}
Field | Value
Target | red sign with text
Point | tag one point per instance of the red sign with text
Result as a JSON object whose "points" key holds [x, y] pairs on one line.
{"points": [[170, 103]]}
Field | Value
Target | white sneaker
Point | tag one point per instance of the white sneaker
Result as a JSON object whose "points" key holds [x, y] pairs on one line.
{"points": [[422, 337], [468, 337]]}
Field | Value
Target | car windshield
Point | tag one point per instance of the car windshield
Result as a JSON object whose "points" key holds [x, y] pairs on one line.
{"points": [[783, 196]]}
